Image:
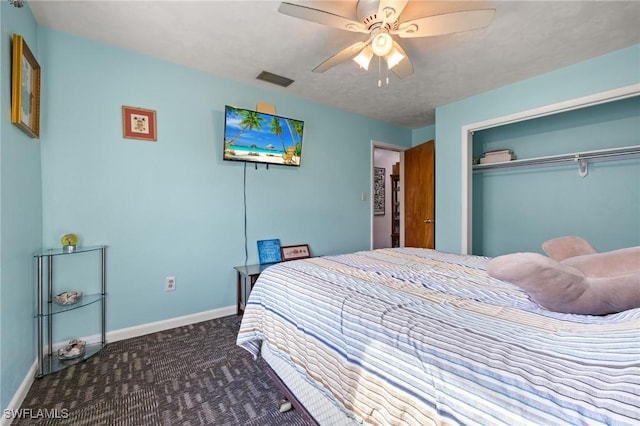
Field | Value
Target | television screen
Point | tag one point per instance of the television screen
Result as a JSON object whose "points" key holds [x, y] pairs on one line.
{"points": [[261, 138]]}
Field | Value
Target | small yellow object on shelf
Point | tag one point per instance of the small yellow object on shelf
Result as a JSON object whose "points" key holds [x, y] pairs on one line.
{"points": [[69, 242]]}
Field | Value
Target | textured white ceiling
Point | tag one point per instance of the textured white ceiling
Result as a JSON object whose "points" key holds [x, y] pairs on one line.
{"points": [[525, 39]]}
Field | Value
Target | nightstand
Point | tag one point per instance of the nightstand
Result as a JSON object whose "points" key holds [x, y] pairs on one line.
{"points": [[250, 272]]}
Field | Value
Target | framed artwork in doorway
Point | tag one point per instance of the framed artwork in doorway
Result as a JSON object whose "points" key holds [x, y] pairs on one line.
{"points": [[378, 191]]}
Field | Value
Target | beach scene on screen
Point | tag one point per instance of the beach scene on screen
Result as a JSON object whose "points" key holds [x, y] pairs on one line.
{"points": [[262, 138]]}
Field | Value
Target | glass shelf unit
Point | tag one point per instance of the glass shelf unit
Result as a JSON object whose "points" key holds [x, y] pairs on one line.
{"points": [[47, 309], [61, 252], [51, 363], [85, 300]]}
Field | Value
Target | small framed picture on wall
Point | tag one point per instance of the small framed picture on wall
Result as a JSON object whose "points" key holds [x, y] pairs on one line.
{"points": [[139, 123]]}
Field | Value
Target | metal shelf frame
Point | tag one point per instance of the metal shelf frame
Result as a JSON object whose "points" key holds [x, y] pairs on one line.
{"points": [[581, 159], [48, 363]]}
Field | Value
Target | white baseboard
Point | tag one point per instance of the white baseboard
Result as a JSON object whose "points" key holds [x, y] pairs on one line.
{"points": [[114, 336], [154, 327], [20, 394], [151, 327]]}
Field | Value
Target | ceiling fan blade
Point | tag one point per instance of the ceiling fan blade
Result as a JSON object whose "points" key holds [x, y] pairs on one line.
{"points": [[390, 10], [321, 17], [446, 23], [404, 68], [343, 55]]}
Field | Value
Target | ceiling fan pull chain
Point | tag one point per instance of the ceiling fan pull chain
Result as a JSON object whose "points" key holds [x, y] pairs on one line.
{"points": [[379, 72], [387, 73]]}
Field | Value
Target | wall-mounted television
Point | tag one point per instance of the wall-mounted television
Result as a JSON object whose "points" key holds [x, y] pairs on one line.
{"points": [[261, 138]]}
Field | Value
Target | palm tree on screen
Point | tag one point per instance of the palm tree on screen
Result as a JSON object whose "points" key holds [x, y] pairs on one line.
{"points": [[250, 120], [276, 129], [297, 130]]}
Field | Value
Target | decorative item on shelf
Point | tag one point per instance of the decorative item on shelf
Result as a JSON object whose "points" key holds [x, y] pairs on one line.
{"points": [[69, 242], [395, 169], [295, 252], [269, 251], [68, 297], [74, 349], [499, 156]]}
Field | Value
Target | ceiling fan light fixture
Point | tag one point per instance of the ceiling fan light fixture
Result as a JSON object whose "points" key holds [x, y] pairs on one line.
{"points": [[381, 20], [393, 58], [382, 44], [364, 58]]}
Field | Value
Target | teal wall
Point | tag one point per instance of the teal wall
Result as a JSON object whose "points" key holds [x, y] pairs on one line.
{"points": [[614, 70], [20, 216], [423, 134], [537, 204], [174, 207]]}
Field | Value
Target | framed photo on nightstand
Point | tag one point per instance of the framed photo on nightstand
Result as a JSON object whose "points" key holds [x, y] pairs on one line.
{"points": [[295, 252], [269, 251]]}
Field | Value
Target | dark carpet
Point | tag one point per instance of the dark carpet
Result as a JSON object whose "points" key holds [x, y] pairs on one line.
{"points": [[191, 375]]}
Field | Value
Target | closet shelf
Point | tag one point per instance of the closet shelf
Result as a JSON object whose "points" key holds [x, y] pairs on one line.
{"points": [[580, 158]]}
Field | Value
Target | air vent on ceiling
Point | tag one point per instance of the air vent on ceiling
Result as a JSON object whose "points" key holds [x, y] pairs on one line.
{"points": [[274, 79]]}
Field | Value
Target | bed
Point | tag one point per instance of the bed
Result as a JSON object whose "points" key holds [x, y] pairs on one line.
{"points": [[420, 337]]}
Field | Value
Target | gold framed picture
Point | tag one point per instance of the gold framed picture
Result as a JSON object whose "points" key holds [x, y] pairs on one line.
{"points": [[138, 123], [25, 88]]}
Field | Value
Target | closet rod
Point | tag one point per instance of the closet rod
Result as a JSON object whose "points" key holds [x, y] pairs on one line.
{"points": [[580, 158]]}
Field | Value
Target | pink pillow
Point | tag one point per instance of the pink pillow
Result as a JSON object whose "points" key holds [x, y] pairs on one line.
{"points": [[565, 247], [607, 264], [563, 288]]}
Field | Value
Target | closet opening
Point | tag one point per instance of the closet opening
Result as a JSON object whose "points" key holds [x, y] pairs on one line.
{"points": [[535, 198]]}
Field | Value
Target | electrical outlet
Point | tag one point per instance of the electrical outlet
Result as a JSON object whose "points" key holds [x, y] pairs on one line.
{"points": [[170, 284]]}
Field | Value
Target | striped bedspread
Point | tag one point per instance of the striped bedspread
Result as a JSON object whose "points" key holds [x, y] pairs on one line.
{"points": [[420, 337]]}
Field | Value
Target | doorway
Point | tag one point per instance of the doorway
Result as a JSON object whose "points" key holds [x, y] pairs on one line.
{"points": [[415, 195], [419, 191], [386, 161]]}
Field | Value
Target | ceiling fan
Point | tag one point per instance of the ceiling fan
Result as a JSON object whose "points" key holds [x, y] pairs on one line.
{"points": [[381, 20]]}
